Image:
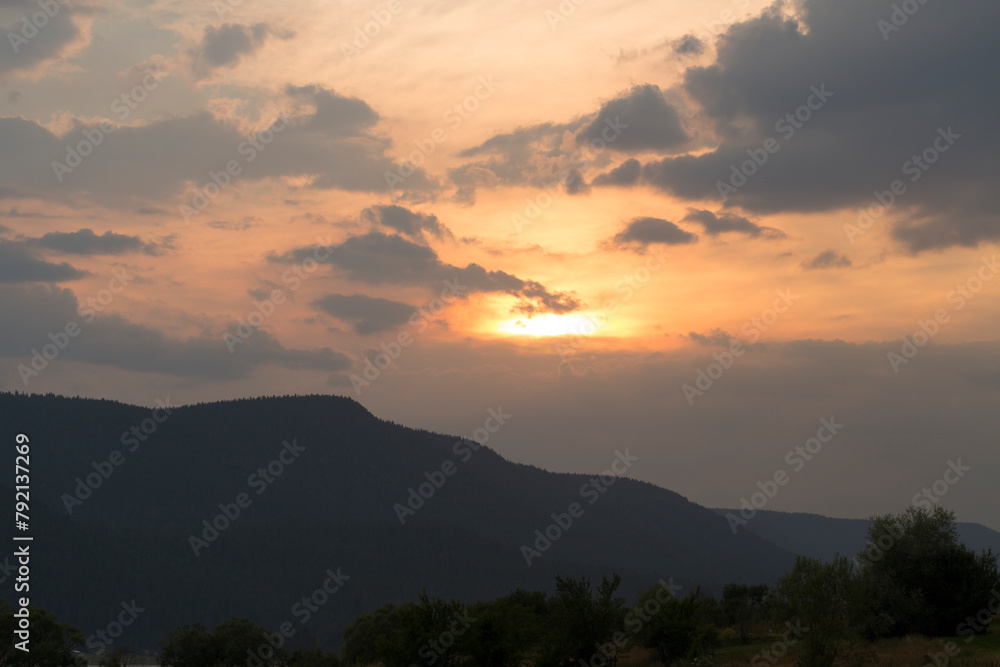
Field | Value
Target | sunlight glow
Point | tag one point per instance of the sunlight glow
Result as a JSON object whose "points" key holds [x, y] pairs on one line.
{"points": [[552, 325]]}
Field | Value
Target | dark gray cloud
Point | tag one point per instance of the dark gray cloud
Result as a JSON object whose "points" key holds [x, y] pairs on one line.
{"points": [[333, 114], [575, 183], [527, 156], [714, 338], [15, 212], [229, 42], [18, 264], [627, 173], [722, 223], [639, 120], [31, 313], [26, 45], [887, 94], [376, 258], [689, 45], [828, 259], [406, 222], [366, 314], [525, 142], [160, 160], [642, 232], [86, 242], [245, 222]]}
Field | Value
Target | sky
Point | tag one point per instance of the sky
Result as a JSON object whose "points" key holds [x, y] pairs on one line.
{"points": [[740, 239]]}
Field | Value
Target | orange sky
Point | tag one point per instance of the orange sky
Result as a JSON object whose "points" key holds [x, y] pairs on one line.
{"points": [[532, 86]]}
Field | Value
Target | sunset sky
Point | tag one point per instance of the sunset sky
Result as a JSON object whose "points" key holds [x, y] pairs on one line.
{"points": [[575, 211]]}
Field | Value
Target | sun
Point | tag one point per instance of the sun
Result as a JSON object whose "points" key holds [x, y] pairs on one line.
{"points": [[549, 324]]}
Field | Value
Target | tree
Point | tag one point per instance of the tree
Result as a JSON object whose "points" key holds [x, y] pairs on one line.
{"points": [[238, 639], [680, 629], [918, 578], [424, 633], [361, 637], [233, 642], [189, 646], [580, 623], [504, 632], [8, 624], [51, 643], [744, 607], [821, 599]]}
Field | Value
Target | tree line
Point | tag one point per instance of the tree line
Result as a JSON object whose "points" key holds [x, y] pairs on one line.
{"points": [[912, 577]]}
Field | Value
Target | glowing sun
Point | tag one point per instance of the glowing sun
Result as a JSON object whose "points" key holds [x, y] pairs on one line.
{"points": [[552, 325]]}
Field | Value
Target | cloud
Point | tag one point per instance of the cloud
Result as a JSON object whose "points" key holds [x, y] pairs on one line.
{"points": [[376, 258], [331, 145], [575, 183], [111, 340], [554, 155], [14, 212], [227, 44], [881, 99], [714, 338], [19, 265], [627, 173], [640, 120], [523, 142], [333, 114], [642, 232], [367, 314], [246, 222], [828, 259], [689, 45], [533, 155], [86, 242], [722, 223], [469, 179], [406, 222], [46, 43]]}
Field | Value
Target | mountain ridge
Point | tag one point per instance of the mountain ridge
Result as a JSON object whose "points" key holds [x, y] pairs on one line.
{"points": [[820, 536], [316, 480]]}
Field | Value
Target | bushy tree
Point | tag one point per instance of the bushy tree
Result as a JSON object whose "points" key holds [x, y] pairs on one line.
{"points": [[680, 629], [51, 643], [822, 600], [580, 623], [918, 578], [505, 630], [237, 639], [361, 637], [189, 646], [744, 607], [233, 642], [424, 633]]}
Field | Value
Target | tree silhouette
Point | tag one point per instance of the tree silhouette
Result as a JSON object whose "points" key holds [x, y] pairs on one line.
{"points": [[918, 578], [744, 606], [819, 602]]}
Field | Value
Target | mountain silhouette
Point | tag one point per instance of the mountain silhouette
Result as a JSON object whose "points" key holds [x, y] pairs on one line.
{"points": [[135, 504], [823, 537]]}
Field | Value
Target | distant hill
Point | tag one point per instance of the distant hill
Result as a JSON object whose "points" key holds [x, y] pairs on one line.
{"points": [[330, 505], [822, 537]]}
